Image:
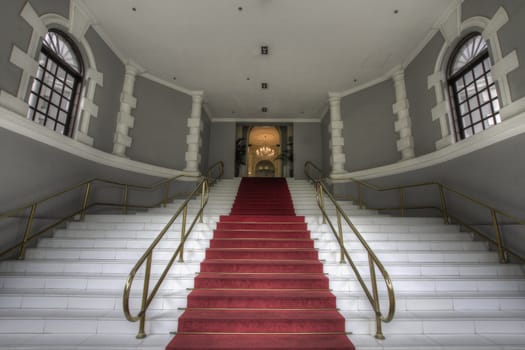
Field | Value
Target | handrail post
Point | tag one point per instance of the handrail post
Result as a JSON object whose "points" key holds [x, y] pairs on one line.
{"points": [[444, 210], [503, 259], [23, 247], [183, 233], [142, 334], [84, 203], [340, 229], [204, 188], [321, 195], [125, 200], [166, 194], [359, 196], [402, 201], [377, 310]]}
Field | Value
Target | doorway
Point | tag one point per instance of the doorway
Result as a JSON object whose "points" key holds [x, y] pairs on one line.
{"points": [[264, 150]]}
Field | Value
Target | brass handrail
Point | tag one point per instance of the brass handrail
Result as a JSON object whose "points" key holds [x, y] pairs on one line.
{"points": [[147, 258], [88, 185], [503, 252], [373, 260]]}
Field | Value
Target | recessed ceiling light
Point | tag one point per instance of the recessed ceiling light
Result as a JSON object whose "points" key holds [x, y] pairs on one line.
{"points": [[264, 109], [134, 9], [264, 50], [355, 80], [396, 11], [174, 78], [264, 85], [239, 8], [247, 78]]}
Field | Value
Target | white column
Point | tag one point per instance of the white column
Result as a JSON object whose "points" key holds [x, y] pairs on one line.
{"points": [[337, 142], [125, 121], [403, 125], [193, 139]]}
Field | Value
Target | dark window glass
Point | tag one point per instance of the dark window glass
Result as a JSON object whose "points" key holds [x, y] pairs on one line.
{"points": [[55, 89], [472, 89]]}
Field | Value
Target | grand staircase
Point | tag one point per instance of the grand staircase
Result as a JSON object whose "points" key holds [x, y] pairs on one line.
{"points": [[451, 292]]}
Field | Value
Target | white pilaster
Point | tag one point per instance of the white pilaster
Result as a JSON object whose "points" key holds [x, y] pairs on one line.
{"points": [[88, 107], [125, 120], [337, 158], [193, 139], [403, 125], [441, 110]]}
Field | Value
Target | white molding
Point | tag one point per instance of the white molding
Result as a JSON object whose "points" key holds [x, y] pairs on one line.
{"points": [[104, 36], [450, 28], [23, 61], [31, 17], [18, 124], [265, 120], [382, 78], [498, 133], [160, 81], [13, 103], [80, 18], [207, 110], [497, 21], [515, 108]]}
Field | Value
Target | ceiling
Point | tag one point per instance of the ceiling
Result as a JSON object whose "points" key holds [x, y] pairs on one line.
{"points": [[315, 47]]}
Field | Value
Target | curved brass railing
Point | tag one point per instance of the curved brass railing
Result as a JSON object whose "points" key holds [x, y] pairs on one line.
{"points": [[494, 213], [87, 187], [147, 258], [373, 261]]}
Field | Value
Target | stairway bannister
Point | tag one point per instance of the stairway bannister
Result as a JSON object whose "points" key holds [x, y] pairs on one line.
{"points": [[373, 260], [202, 190], [448, 218]]}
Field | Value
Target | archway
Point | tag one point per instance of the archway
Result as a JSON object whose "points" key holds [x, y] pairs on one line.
{"points": [[264, 149]]}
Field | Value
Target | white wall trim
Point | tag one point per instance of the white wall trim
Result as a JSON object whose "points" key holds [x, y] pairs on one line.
{"points": [[498, 133], [382, 78], [80, 18], [167, 83], [267, 121], [19, 124]]}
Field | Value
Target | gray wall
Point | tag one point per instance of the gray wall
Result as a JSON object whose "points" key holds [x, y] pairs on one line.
{"points": [[307, 146], [421, 99], [205, 138], [222, 147], [368, 116], [107, 97], [493, 175], [159, 134], [60, 7], [13, 31], [325, 140]]}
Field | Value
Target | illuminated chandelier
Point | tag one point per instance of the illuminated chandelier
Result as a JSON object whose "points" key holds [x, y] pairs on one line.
{"points": [[265, 151]]}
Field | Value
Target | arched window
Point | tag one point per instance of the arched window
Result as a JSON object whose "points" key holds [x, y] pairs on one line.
{"points": [[54, 93], [473, 92]]}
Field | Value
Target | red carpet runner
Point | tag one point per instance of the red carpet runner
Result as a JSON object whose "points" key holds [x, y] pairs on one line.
{"points": [[261, 285]]}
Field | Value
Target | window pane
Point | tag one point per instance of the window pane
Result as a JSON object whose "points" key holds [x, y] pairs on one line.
{"points": [[50, 124], [36, 86], [62, 117], [40, 118], [476, 116], [53, 112], [42, 106], [55, 99], [463, 109], [478, 128], [65, 104], [70, 80], [468, 78], [60, 128], [32, 100], [493, 91], [48, 79], [487, 63], [61, 73], [486, 110], [481, 83], [473, 102], [498, 118], [488, 123], [484, 96], [466, 121], [39, 73], [67, 93], [462, 96], [459, 84], [495, 105], [478, 70], [468, 132], [471, 90], [51, 66], [489, 78]]}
